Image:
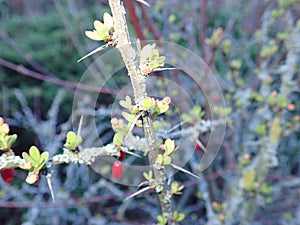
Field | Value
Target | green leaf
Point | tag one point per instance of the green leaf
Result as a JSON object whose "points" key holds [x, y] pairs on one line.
{"points": [[180, 217], [128, 117], [161, 220], [127, 103], [148, 103], [261, 129], [176, 188], [45, 156], [162, 109], [71, 140], [118, 139], [108, 20], [160, 159], [41, 165], [148, 176], [11, 139], [167, 160], [153, 65], [146, 52], [103, 34], [187, 118], [27, 157], [170, 146], [34, 153]]}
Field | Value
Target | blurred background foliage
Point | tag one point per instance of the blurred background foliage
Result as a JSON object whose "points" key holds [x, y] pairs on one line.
{"points": [[245, 43]]}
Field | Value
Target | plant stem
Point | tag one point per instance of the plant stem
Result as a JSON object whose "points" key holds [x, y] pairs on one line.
{"points": [[138, 81]]}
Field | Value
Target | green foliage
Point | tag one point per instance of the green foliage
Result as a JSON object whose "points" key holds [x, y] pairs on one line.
{"points": [[103, 30], [168, 147], [248, 180], [149, 58], [72, 141], [178, 217], [261, 129], [162, 220], [195, 114], [176, 188], [35, 162], [6, 140]]}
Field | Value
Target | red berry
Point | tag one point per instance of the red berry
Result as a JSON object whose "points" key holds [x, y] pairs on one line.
{"points": [[117, 169], [7, 175], [198, 148], [122, 155]]}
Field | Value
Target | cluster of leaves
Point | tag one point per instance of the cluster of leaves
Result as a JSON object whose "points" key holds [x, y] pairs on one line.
{"points": [[103, 30], [35, 163], [176, 218], [6, 140], [150, 59], [73, 141], [150, 107], [167, 148]]}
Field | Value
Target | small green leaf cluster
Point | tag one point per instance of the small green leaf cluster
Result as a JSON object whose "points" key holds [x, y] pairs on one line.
{"points": [[269, 50], [176, 188], [72, 141], [149, 177], [266, 190], [273, 100], [244, 161], [249, 180], [150, 105], [103, 30], [149, 58], [223, 111], [219, 208], [162, 220], [195, 114], [155, 106], [6, 140], [168, 147], [176, 217], [35, 162], [261, 129], [216, 38], [121, 129]]}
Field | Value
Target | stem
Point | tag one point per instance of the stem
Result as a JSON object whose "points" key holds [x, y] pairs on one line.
{"points": [[139, 89]]}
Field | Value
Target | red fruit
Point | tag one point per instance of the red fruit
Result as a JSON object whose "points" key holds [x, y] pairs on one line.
{"points": [[122, 155], [198, 148], [7, 175], [117, 169]]}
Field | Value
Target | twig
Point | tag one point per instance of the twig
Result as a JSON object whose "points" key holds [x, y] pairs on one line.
{"points": [[27, 72]]}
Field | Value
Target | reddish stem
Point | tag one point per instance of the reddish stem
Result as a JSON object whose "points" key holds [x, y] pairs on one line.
{"points": [[23, 70], [134, 19], [151, 26]]}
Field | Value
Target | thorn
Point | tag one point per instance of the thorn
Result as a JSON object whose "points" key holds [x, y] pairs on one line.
{"points": [[131, 153], [184, 170], [80, 125], [138, 192], [164, 69], [93, 52], [131, 127], [48, 176], [143, 2]]}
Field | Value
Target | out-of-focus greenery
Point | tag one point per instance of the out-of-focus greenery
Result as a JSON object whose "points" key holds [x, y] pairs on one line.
{"points": [[238, 39], [44, 38]]}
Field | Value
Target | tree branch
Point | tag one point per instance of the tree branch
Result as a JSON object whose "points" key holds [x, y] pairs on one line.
{"points": [[139, 88]]}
